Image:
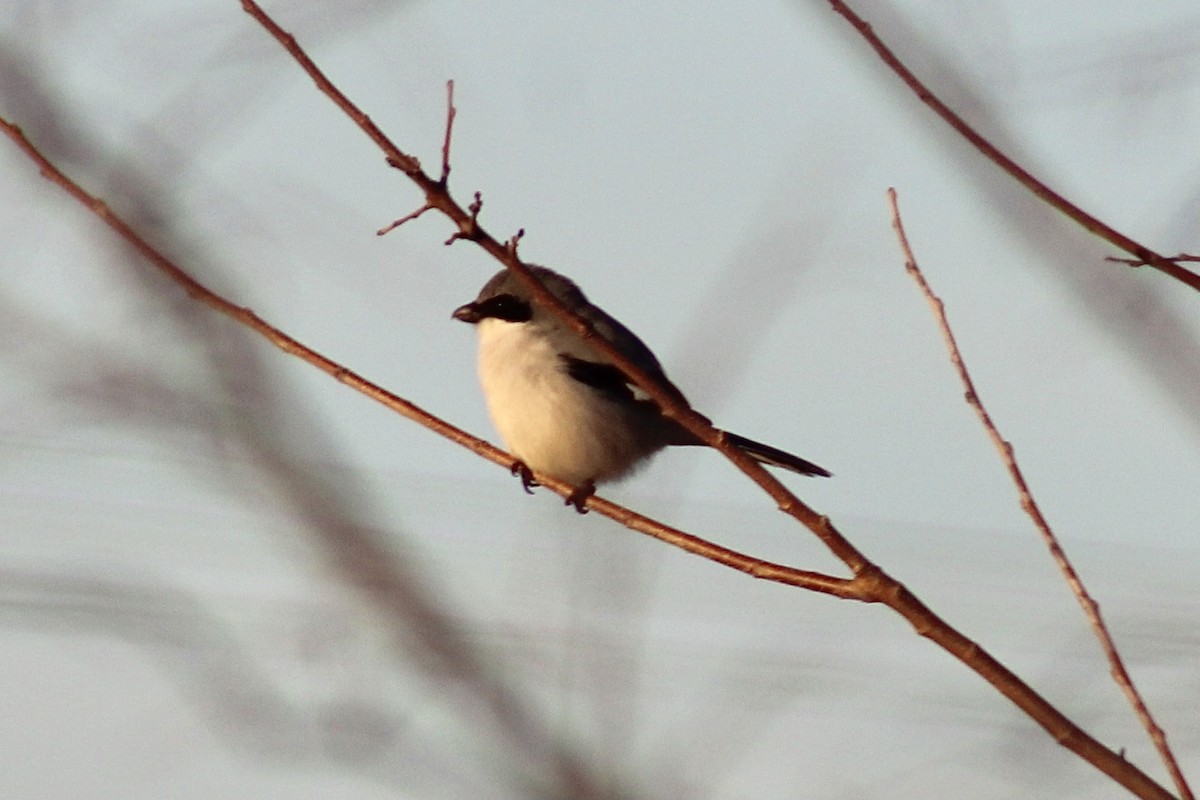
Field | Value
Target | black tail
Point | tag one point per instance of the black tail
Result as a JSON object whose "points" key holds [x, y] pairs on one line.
{"points": [[775, 457]]}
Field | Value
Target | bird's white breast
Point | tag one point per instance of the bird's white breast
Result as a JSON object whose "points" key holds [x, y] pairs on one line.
{"points": [[549, 420]]}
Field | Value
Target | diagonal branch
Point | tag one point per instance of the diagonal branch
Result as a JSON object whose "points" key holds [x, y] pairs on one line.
{"points": [[1141, 253], [1091, 608]]}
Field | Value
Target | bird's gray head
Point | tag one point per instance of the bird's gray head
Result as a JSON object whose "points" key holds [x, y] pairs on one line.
{"points": [[506, 297]]}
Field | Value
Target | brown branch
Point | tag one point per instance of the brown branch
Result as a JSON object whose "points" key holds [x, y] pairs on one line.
{"points": [[1093, 225], [451, 112], [391, 226], [1090, 608]]}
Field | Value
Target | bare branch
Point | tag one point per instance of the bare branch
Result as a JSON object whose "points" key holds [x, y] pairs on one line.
{"points": [[451, 112], [1090, 608], [1144, 254]]}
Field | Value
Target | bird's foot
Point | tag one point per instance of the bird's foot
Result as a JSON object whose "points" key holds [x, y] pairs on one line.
{"points": [[525, 474], [579, 496]]}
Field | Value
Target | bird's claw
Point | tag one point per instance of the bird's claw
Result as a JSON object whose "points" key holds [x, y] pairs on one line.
{"points": [[526, 475], [579, 496]]}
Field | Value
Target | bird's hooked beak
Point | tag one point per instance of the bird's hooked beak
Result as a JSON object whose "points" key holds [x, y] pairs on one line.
{"points": [[468, 313]]}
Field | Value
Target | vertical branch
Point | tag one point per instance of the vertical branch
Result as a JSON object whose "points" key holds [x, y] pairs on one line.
{"points": [[1091, 608], [451, 113]]}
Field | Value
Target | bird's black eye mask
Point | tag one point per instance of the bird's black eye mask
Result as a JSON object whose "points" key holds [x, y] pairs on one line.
{"points": [[507, 307]]}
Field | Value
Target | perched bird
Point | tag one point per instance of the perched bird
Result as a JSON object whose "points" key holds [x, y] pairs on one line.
{"points": [[561, 407]]}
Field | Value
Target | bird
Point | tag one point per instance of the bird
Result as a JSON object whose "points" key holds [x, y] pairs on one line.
{"points": [[561, 407]]}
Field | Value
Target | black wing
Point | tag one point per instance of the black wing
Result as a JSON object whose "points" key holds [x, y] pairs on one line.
{"points": [[604, 378], [610, 382]]}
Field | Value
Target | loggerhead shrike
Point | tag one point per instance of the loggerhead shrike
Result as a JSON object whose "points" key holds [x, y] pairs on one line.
{"points": [[560, 406]]}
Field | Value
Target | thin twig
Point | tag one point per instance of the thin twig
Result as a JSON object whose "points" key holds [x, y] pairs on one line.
{"points": [[451, 113], [1090, 608], [515, 241], [993, 153], [391, 226]]}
